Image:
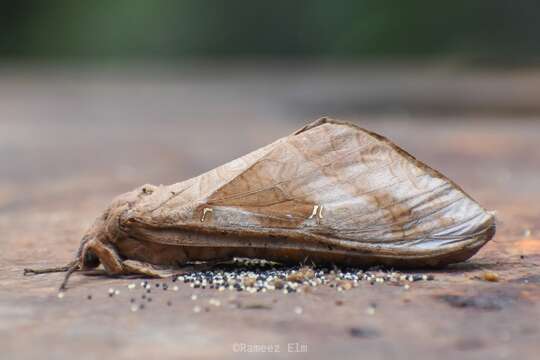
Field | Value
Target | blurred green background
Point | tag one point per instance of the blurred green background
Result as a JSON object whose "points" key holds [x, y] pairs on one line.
{"points": [[54, 30]]}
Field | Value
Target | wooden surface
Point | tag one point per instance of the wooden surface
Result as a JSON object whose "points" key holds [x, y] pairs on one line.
{"points": [[70, 140]]}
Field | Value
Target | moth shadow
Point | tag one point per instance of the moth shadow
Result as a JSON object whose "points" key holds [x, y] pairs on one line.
{"points": [[471, 266]]}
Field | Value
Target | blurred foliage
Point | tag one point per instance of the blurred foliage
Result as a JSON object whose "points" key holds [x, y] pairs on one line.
{"points": [[337, 29]]}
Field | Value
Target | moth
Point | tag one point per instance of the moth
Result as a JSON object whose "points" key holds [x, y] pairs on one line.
{"points": [[330, 193]]}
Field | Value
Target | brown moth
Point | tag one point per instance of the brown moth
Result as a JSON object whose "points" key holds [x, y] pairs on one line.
{"points": [[330, 193]]}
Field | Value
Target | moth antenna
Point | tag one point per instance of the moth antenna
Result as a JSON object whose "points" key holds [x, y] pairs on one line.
{"points": [[69, 268], [28, 271], [75, 264], [74, 267]]}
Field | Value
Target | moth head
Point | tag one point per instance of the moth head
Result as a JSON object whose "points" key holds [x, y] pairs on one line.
{"points": [[87, 257], [106, 229]]}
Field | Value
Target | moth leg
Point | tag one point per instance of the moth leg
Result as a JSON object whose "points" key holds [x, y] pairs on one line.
{"points": [[161, 271], [108, 257], [141, 268], [220, 261], [200, 266], [214, 262]]}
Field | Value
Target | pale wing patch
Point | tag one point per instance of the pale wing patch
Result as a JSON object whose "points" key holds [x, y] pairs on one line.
{"points": [[315, 211], [206, 211]]}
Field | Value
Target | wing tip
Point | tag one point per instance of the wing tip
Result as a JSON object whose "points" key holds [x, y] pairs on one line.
{"points": [[321, 121]]}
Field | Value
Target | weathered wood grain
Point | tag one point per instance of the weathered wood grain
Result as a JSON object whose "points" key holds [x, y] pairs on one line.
{"points": [[53, 181]]}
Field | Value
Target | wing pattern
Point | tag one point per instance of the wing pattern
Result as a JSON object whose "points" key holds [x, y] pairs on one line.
{"points": [[331, 180]]}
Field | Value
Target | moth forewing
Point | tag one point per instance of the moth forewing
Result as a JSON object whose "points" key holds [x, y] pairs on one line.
{"points": [[331, 192], [372, 192]]}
